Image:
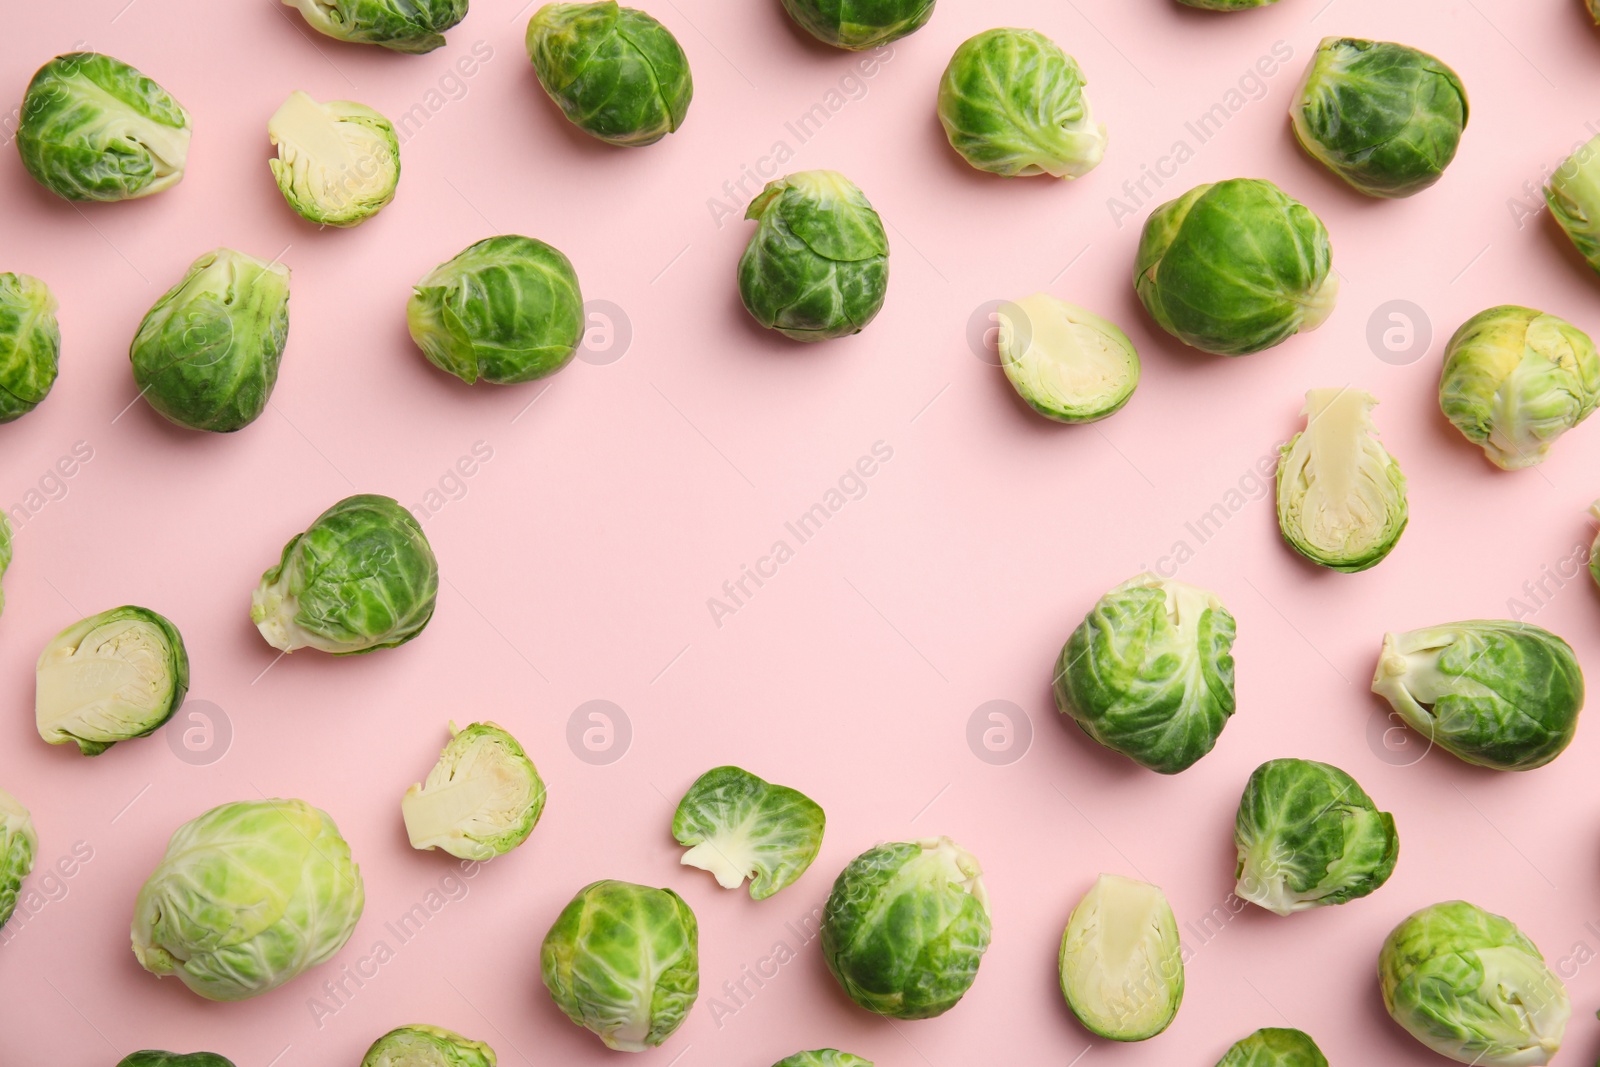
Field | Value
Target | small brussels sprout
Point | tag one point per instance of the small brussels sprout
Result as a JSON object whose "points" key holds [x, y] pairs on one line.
{"points": [[818, 265], [506, 310], [623, 961], [1469, 985], [1149, 672], [156, 1058], [1013, 103], [427, 1046], [615, 72], [248, 896], [823, 1057], [481, 800], [738, 826], [1275, 1047], [5, 555], [1498, 694], [338, 163], [206, 355], [363, 577], [413, 26], [1515, 379], [859, 24], [111, 677], [1121, 963], [1573, 193], [1235, 267], [1308, 836], [30, 344], [1341, 496], [19, 844], [906, 926], [93, 128], [1226, 5], [1066, 363]]}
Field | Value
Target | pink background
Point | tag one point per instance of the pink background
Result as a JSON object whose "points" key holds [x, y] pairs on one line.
{"points": [[579, 559]]}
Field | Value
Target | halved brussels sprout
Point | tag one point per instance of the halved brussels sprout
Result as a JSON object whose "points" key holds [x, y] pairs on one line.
{"points": [[1515, 379], [111, 677], [1066, 363], [413, 26], [906, 926], [5, 555], [506, 310], [157, 1058], [1121, 963], [615, 72], [1497, 694], [30, 344], [362, 577], [1013, 103], [623, 961], [1275, 1047], [248, 896], [859, 24], [1573, 193], [338, 163], [481, 800], [93, 128], [1469, 985], [1226, 5], [1235, 267], [19, 844], [427, 1046], [823, 1057], [738, 826], [818, 265]]}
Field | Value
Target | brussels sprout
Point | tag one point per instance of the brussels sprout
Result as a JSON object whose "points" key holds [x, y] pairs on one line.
{"points": [[1594, 546], [1227, 5], [1121, 964], [248, 896], [111, 677], [362, 577], [736, 825], [154, 1058], [859, 24], [1235, 267], [906, 926], [1149, 672], [5, 554], [206, 355], [1066, 363], [1573, 193], [1013, 103], [1275, 1047], [1469, 985], [1594, 9], [623, 960], [823, 1057], [615, 72], [427, 1046], [481, 800], [1515, 379], [19, 844], [30, 344], [413, 26], [93, 128], [818, 265], [338, 163], [506, 310], [1341, 496], [1308, 837], [1497, 694]]}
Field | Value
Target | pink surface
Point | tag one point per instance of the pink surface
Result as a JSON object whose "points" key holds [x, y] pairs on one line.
{"points": [[579, 557]]}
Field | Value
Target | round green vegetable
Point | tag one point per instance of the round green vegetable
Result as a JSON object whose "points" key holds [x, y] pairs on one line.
{"points": [[427, 1046], [1121, 960], [859, 24], [30, 344], [108, 678], [338, 163], [739, 826], [1066, 363], [19, 844], [1274, 1047], [413, 26], [824, 1057], [154, 1058], [481, 800]]}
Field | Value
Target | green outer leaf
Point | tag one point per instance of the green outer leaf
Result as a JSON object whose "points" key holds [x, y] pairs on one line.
{"points": [[19, 844], [303, 181], [412, 26], [487, 751], [859, 24], [1227, 5], [823, 1057], [739, 825], [427, 1046], [156, 1058], [1275, 1047], [99, 638], [5, 554], [30, 345]]}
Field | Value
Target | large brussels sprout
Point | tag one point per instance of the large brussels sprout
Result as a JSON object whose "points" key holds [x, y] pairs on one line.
{"points": [[1149, 672], [823, 1057], [1275, 1047], [1227, 5], [1573, 193], [19, 844], [506, 310], [818, 265], [1235, 267], [481, 800], [739, 826], [906, 926], [157, 1058], [362, 577], [859, 24], [1013, 103], [1341, 496], [1494, 693], [338, 163], [1121, 963], [1308, 836], [623, 961], [1515, 379], [30, 344], [206, 355], [1066, 363], [5, 554], [93, 128], [248, 896], [615, 72], [413, 26], [1470, 986], [108, 678], [427, 1046]]}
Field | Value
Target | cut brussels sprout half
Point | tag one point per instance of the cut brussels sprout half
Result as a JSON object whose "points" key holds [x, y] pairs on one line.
{"points": [[481, 800], [823, 1057], [30, 344], [859, 24], [1275, 1047], [1066, 363], [111, 677], [427, 1046], [738, 826], [1573, 193], [5, 556], [338, 163], [19, 844], [1121, 964], [413, 26], [156, 1058]]}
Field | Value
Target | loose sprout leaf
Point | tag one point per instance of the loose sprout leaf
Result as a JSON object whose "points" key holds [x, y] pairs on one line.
{"points": [[19, 845], [738, 826], [338, 163], [1121, 963], [427, 1046], [110, 677], [413, 26], [1066, 363], [481, 800], [859, 24], [30, 345], [1275, 1047]]}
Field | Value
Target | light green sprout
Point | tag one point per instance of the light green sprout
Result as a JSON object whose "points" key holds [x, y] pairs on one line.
{"points": [[338, 163], [1573, 193], [157, 1058], [1121, 963], [739, 826], [108, 678], [413, 26], [1066, 363], [30, 344], [481, 800], [19, 844], [427, 1046], [823, 1057], [859, 24], [1275, 1047]]}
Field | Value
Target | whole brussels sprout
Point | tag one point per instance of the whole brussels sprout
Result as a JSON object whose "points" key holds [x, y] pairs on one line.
{"points": [[1573, 193], [30, 344], [1226, 5], [1515, 379], [1384, 117], [1498, 694], [481, 800], [737, 825], [427, 1046], [93, 128], [506, 310], [1121, 962], [818, 265], [859, 24], [1066, 363], [615, 72], [1275, 1047], [413, 26], [823, 1057], [19, 844], [206, 355], [906, 926], [108, 678], [1013, 103], [623, 961], [248, 896], [1149, 672], [1235, 267], [1469, 985], [155, 1058], [338, 163]]}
